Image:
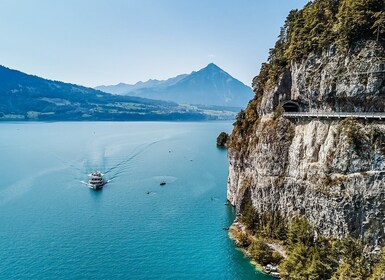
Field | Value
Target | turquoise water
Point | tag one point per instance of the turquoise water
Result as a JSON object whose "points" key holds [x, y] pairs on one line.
{"points": [[52, 226]]}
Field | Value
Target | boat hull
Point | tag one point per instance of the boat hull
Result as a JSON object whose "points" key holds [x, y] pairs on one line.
{"points": [[96, 180], [95, 187]]}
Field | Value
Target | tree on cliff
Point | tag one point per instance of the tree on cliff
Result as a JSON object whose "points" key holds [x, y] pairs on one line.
{"points": [[379, 24], [379, 271], [323, 31], [323, 258], [311, 29], [222, 139], [356, 18], [316, 27]]}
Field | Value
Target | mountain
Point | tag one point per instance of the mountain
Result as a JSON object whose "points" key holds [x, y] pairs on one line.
{"points": [[28, 97], [123, 89], [208, 86]]}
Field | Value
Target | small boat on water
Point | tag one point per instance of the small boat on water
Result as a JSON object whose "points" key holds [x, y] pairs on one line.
{"points": [[162, 183], [96, 180]]}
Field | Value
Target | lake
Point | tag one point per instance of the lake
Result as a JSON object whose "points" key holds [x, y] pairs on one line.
{"points": [[52, 226]]}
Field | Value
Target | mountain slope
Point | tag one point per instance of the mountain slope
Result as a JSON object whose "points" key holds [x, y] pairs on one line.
{"points": [[208, 86], [123, 88], [27, 97]]}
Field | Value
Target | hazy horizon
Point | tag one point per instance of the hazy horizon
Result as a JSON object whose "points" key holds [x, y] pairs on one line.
{"points": [[94, 43]]}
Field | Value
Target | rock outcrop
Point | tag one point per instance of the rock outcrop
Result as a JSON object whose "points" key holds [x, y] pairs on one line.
{"points": [[222, 139], [330, 170]]}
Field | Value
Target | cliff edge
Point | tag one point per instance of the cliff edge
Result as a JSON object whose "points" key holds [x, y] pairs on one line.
{"points": [[329, 171]]}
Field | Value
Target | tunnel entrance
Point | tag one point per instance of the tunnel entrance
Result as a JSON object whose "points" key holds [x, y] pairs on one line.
{"points": [[290, 106]]}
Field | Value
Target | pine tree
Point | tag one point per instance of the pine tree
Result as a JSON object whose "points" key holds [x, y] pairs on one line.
{"points": [[294, 267], [356, 19], [379, 24], [300, 231], [379, 271]]}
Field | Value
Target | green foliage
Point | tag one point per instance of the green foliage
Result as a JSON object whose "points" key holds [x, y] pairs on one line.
{"points": [[352, 264], [309, 257], [268, 224], [308, 262], [243, 239], [300, 231], [261, 252], [222, 139], [276, 257], [356, 20], [295, 266], [320, 24], [311, 29], [248, 217], [322, 258], [320, 265], [245, 122], [379, 271], [271, 225], [379, 24], [351, 270]]}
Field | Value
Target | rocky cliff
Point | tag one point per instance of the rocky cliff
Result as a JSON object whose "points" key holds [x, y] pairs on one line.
{"points": [[329, 170]]}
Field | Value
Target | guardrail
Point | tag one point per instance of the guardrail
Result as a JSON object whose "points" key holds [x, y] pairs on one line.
{"points": [[335, 115]]}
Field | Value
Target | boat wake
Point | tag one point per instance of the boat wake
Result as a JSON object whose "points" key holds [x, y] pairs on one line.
{"points": [[140, 150], [88, 185], [122, 166]]}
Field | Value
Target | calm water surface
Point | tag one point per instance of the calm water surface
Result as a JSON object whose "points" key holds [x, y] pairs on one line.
{"points": [[52, 226]]}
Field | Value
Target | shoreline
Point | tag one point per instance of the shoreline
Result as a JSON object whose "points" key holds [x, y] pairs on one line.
{"points": [[238, 228], [235, 228]]}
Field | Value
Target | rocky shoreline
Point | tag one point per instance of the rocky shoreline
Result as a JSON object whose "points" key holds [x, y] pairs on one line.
{"points": [[237, 229], [317, 184]]}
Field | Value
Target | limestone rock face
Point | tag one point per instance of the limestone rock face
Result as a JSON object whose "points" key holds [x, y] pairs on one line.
{"points": [[331, 81], [330, 170]]}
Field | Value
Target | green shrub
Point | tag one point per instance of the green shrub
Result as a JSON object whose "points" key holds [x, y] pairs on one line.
{"points": [[271, 225], [320, 24], [300, 231], [248, 217], [261, 252], [243, 240], [222, 139]]}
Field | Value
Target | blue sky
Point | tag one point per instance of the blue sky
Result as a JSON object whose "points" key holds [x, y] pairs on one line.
{"points": [[95, 42]]}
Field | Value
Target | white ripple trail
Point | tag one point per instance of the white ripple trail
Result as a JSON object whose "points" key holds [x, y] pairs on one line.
{"points": [[24, 185]]}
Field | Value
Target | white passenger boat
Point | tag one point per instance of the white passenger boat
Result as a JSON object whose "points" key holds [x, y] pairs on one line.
{"points": [[96, 180]]}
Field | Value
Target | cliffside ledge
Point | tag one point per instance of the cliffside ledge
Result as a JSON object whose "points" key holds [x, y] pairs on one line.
{"points": [[330, 172]]}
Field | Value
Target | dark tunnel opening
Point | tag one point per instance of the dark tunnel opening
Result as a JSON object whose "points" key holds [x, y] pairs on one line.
{"points": [[290, 106]]}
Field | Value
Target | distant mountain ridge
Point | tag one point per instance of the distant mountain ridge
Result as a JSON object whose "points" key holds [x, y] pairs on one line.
{"points": [[208, 86], [28, 97], [123, 89]]}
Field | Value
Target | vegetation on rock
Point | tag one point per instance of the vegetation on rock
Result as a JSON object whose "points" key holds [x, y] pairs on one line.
{"points": [[262, 253], [222, 139], [379, 271], [310, 256], [319, 25], [267, 224], [324, 34]]}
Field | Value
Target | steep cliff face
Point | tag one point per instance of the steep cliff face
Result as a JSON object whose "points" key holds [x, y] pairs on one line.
{"points": [[333, 81], [329, 170]]}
